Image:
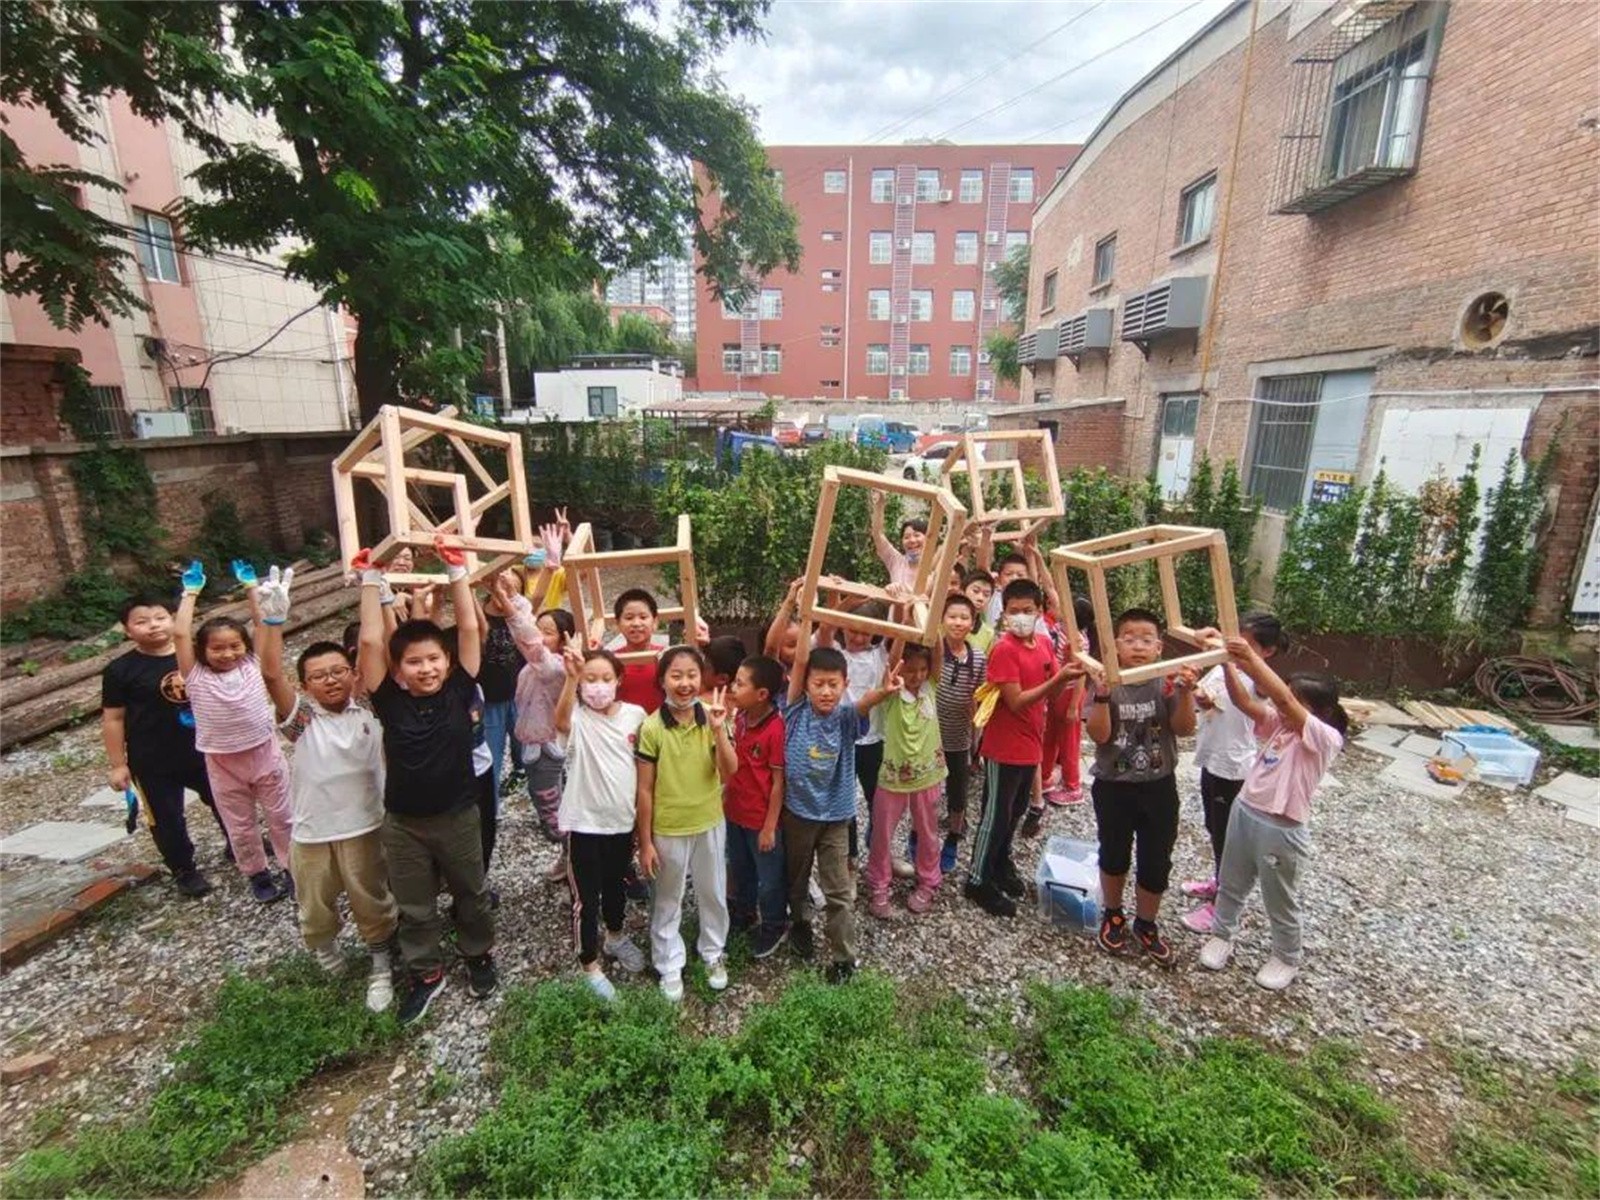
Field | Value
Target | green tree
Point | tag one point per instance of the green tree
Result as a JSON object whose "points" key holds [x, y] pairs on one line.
{"points": [[636, 334], [1011, 282]]}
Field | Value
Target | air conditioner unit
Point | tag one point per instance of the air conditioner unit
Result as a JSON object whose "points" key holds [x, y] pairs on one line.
{"points": [[904, 200], [992, 237], [990, 305], [903, 243], [983, 358], [990, 266], [946, 196], [161, 424], [897, 370], [897, 393], [901, 319]]}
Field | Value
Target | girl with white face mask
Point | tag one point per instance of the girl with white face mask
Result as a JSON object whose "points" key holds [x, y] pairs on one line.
{"points": [[597, 808]]}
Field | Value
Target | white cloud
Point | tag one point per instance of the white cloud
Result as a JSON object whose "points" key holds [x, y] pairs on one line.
{"points": [[850, 71]]}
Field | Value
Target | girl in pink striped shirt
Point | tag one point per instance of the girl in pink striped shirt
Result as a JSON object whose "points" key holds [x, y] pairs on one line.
{"points": [[234, 729]]}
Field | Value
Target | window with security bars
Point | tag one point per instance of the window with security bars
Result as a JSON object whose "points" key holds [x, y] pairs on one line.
{"points": [[880, 247], [963, 304], [878, 304], [919, 359], [111, 414], [966, 247], [971, 186], [927, 185], [922, 248], [731, 359], [961, 360], [878, 359], [1280, 438], [883, 185], [197, 403], [833, 182], [1021, 186]]}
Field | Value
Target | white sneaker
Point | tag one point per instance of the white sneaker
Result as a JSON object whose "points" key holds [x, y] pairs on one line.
{"points": [[1275, 974], [600, 985], [903, 869], [672, 986], [556, 872], [1215, 953], [628, 956], [380, 984], [328, 957], [717, 976]]}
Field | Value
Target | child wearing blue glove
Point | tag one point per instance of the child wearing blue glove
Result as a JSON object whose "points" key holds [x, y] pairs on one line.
{"points": [[234, 729]]}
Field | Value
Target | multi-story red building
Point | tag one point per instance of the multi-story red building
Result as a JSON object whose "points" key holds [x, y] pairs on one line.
{"points": [[895, 296]]}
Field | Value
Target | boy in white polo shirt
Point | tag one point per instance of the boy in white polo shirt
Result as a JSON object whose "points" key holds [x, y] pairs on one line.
{"points": [[336, 795]]}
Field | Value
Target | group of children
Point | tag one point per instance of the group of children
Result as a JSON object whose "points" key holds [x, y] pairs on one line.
{"points": [[672, 764]]}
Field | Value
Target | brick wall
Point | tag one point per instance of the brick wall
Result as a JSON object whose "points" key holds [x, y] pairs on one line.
{"points": [[281, 485], [1572, 424], [30, 393], [1086, 435]]}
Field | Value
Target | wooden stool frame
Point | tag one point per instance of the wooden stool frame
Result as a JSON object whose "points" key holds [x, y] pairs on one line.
{"points": [[947, 520], [378, 455], [1163, 543], [586, 592], [968, 460]]}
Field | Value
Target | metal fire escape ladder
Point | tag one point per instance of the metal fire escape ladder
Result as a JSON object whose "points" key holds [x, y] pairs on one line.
{"points": [[905, 227], [992, 254], [750, 336]]}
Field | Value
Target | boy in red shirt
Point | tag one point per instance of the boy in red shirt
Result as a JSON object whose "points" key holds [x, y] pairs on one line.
{"points": [[752, 801], [1022, 664], [635, 611]]}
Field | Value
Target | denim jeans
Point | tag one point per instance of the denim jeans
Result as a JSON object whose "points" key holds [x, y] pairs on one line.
{"points": [[757, 881], [499, 719]]}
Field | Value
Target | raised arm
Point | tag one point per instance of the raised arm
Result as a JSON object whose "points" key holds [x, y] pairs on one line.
{"points": [[194, 581], [269, 605], [1016, 698], [788, 609], [1041, 572], [1240, 695], [1269, 684], [469, 643], [1182, 709], [372, 651], [572, 662], [717, 715], [884, 547], [986, 549], [873, 697]]}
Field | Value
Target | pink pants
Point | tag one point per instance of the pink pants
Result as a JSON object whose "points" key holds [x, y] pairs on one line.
{"points": [[1063, 739], [887, 809], [239, 782]]}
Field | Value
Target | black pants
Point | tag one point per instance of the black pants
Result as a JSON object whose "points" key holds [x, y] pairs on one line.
{"points": [[1010, 788], [1145, 812], [160, 787], [488, 818], [958, 780], [1216, 802], [596, 863], [869, 762]]}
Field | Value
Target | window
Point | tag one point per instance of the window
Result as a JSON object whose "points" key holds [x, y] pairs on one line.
{"points": [[733, 312], [832, 235], [771, 303], [877, 359], [922, 304], [1376, 113], [927, 185], [1015, 238], [833, 182], [878, 304], [1197, 207], [920, 360], [966, 247], [197, 403], [831, 286], [883, 185], [730, 358], [833, 274], [963, 305], [1043, 396], [602, 402], [1105, 260], [961, 360], [971, 187], [111, 414], [1047, 300], [156, 247], [880, 246], [1021, 186], [1280, 442], [771, 360], [922, 248], [828, 383], [830, 343]]}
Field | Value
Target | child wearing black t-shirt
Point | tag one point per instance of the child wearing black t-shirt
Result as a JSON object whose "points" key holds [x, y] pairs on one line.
{"points": [[432, 715], [148, 733]]}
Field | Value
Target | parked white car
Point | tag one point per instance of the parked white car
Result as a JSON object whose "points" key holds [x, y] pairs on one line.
{"points": [[929, 465]]}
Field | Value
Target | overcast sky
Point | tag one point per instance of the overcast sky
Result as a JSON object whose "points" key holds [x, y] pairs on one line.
{"points": [[852, 71]]}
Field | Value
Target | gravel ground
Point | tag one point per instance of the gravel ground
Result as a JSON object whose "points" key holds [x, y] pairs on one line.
{"points": [[1432, 926]]}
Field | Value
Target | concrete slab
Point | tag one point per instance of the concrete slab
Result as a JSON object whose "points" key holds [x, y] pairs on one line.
{"points": [[1410, 774], [1582, 817], [1384, 748], [1572, 790], [1585, 737], [1417, 743], [1382, 735], [62, 841], [320, 1169], [105, 798]]}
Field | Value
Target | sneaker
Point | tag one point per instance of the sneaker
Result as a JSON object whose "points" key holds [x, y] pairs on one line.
{"points": [[600, 985], [947, 856], [904, 870], [1031, 822], [265, 888], [380, 984], [920, 901], [556, 872], [879, 907], [840, 972], [766, 939], [1275, 974], [672, 987], [717, 976], [494, 899], [1153, 944], [633, 887], [1056, 796], [801, 939], [991, 899], [628, 956], [328, 958], [482, 978], [192, 884], [1200, 889], [286, 882], [1201, 919], [1070, 796], [1113, 931], [1009, 882], [421, 996], [1214, 955]]}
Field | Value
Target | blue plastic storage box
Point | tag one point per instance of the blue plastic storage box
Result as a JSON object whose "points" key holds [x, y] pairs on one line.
{"points": [[1068, 884], [1500, 756]]}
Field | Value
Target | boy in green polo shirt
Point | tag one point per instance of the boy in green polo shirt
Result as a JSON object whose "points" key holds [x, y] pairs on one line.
{"points": [[685, 756]]}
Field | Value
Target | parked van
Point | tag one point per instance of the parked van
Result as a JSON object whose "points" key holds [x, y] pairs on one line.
{"points": [[870, 429]]}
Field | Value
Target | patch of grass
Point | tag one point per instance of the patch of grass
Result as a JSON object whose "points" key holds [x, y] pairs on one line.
{"points": [[1527, 1136], [225, 1099]]}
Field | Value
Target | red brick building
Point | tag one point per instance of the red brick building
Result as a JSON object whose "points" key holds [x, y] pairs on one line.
{"points": [[894, 298], [1360, 234]]}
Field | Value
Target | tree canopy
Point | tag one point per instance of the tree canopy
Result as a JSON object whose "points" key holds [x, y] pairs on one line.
{"points": [[442, 157], [1011, 281]]}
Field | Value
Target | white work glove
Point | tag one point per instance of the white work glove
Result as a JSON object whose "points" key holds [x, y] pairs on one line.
{"points": [[273, 596]]}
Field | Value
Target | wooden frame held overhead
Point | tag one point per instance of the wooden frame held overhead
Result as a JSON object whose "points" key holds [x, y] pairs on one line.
{"points": [[968, 459], [378, 455], [947, 521], [586, 592], [1163, 543]]}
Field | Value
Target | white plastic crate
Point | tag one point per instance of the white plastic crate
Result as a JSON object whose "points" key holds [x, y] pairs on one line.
{"points": [[1068, 884], [1500, 756]]}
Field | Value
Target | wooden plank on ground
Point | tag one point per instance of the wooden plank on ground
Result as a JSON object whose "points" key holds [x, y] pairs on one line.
{"points": [[1445, 716]]}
